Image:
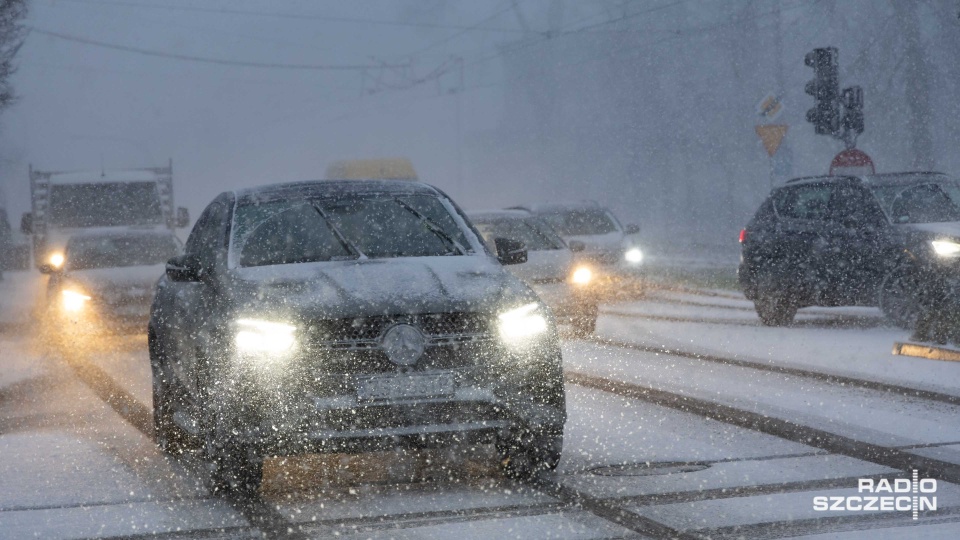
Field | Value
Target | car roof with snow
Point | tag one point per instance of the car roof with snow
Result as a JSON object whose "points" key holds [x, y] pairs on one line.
{"points": [[124, 232], [500, 214], [548, 208], [333, 188], [873, 179]]}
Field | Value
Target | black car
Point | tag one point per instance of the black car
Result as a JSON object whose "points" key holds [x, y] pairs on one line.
{"points": [[887, 240], [342, 316]]}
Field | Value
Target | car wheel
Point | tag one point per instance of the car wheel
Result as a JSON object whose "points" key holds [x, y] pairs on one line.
{"points": [[900, 298], [168, 436], [585, 322], [525, 454], [234, 470], [166, 433], [775, 310]]}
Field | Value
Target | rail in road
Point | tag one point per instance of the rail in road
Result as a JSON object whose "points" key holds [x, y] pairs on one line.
{"points": [[266, 519]]}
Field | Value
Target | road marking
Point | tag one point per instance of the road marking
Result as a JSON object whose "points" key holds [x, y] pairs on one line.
{"points": [[929, 352]]}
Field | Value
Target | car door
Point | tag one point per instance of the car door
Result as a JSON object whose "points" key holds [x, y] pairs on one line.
{"points": [[193, 301], [856, 235], [800, 238]]}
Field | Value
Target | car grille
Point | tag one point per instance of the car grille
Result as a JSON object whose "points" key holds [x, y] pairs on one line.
{"points": [[352, 345]]}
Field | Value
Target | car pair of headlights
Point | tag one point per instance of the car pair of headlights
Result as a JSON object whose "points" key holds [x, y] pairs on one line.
{"points": [[270, 339]]}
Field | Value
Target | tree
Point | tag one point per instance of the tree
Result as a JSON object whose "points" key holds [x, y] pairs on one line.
{"points": [[12, 35]]}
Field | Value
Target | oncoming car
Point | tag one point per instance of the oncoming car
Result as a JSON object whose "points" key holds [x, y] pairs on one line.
{"points": [[564, 284], [348, 316], [613, 248], [888, 240], [106, 279]]}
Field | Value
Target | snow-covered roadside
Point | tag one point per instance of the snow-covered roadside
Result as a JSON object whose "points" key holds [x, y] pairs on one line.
{"points": [[838, 348]]}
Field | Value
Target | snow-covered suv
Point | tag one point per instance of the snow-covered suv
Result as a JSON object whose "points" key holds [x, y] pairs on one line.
{"points": [[340, 316]]}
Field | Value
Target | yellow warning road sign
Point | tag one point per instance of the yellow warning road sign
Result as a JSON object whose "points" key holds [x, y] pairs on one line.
{"points": [[771, 135]]}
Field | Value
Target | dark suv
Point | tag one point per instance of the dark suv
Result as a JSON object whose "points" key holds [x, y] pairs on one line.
{"points": [[887, 240], [350, 316]]}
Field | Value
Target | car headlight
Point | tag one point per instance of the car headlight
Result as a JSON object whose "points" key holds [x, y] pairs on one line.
{"points": [[581, 276], [267, 338], [518, 326], [56, 259], [633, 255], [73, 300], [946, 248]]}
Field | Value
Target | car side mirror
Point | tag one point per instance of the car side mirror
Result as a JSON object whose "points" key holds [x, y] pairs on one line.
{"points": [[26, 223], [47, 268], [184, 268], [576, 246], [510, 251], [183, 217], [631, 228]]}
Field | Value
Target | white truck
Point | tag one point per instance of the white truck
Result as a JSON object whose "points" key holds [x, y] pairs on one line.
{"points": [[64, 203]]}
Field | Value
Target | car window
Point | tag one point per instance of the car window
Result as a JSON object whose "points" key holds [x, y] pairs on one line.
{"points": [[809, 202], [526, 231], [582, 222], [84, 253], [375, 226], [853, 202], [929, 202]]}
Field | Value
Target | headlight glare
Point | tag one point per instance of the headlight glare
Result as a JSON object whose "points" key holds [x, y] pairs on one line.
{"points": [[946, 248], [519, 325], [582, 276], [74, 300], [56, 260], [633, 255], [259, 337]]}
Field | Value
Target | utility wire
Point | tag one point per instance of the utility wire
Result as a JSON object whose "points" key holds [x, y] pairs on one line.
{"points": [[201, 59], [462, 32], [283, 15]]}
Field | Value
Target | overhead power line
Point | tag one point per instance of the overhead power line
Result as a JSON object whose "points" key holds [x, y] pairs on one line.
{"points": [[202, 59], [284, 15]]}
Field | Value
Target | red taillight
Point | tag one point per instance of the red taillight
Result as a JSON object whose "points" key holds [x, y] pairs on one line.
{"points": [[743, 235]]}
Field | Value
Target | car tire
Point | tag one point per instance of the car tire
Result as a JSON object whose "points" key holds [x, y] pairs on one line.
{"points": [[899, 298], [528, 453], [166, 433], [234, 471], [775, 310], [585, 322]]}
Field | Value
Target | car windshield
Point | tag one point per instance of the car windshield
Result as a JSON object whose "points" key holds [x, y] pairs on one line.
{"points": [[107, 204], [375, 227], [922, 202], [582, 222], [534, 234], [83, 253]]}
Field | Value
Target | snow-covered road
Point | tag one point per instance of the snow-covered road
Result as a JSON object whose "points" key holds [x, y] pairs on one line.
{"points": [[732, 433]]}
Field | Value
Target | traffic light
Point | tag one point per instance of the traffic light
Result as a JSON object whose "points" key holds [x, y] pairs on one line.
{"points": [[825, 89], [852, 99]]}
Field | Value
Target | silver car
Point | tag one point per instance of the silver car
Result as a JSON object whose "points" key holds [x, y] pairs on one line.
{"points": [[552, 269], [341, 316]]}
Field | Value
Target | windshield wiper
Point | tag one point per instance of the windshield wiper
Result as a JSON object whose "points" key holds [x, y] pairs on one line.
{"points": [[432, 226], [347, 245]]}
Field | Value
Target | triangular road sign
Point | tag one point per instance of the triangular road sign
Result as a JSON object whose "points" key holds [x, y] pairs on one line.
{"points": [[771, 135]]}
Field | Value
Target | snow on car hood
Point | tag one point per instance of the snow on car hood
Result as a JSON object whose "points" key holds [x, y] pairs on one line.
{"points": [[947, 228], [378, 287], [132, 280]]}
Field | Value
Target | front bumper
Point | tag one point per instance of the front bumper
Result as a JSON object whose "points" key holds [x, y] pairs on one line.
{"points": [[568, 300]]}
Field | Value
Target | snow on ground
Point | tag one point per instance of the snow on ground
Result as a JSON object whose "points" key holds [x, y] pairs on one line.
{"points": [[856, 345]]}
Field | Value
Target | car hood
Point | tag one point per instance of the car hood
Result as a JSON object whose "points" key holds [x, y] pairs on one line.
{"points": [[377, 287], [129, 280], [945, 229]]}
